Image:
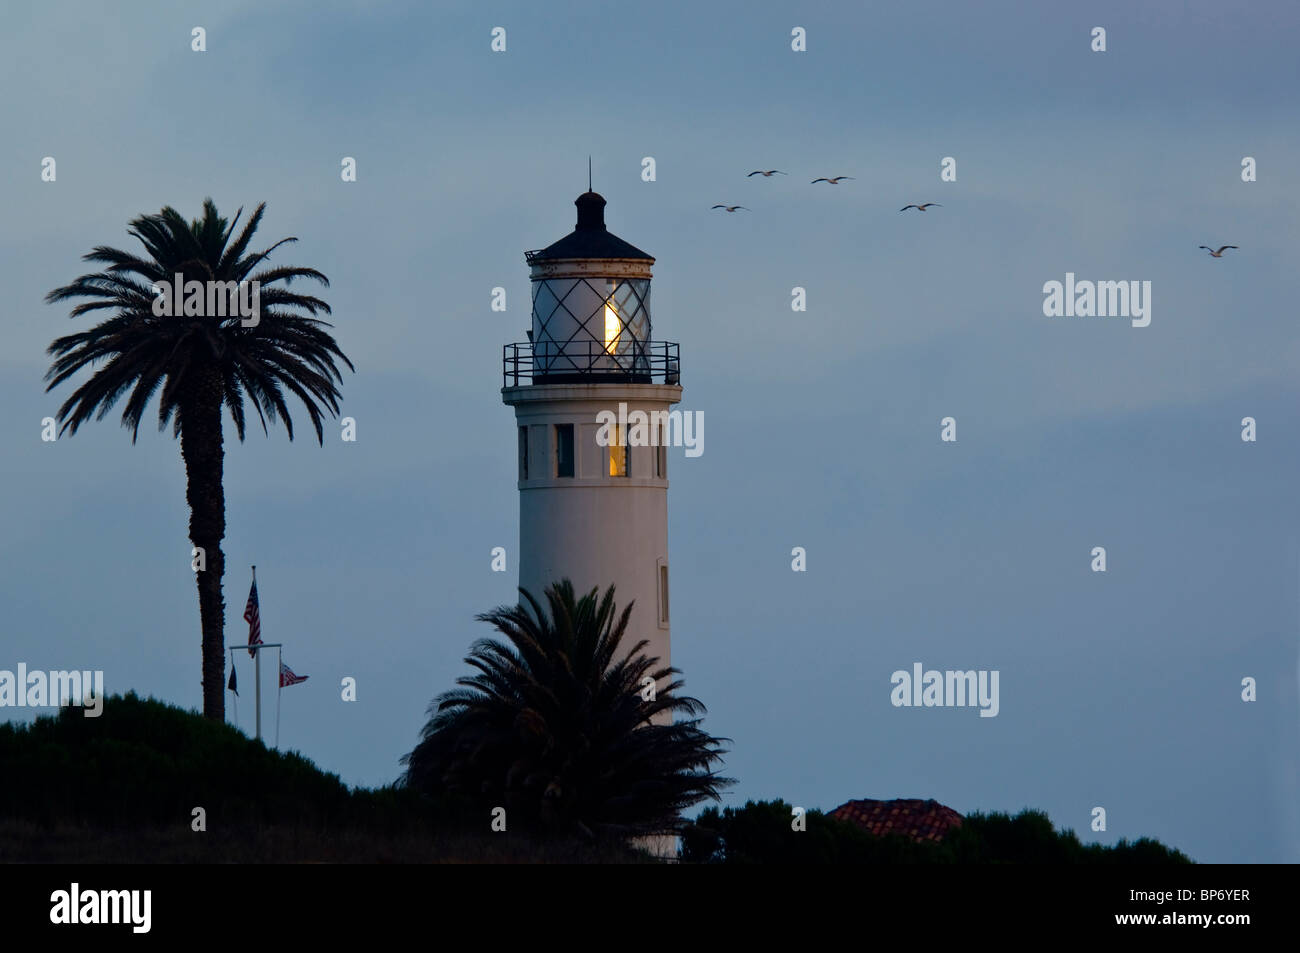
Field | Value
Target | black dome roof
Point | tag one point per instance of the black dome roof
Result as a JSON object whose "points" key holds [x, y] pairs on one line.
{"points": [[590, 239]]}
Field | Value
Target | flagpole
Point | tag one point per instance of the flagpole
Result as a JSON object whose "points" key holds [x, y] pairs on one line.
{"points": [[257, 655], [279, 693], [257, 679], [252, 613], [232, 675], [257, 693]]}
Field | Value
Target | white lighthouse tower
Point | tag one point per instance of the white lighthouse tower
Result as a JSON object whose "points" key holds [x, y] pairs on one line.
{"points": [[590, 509]]}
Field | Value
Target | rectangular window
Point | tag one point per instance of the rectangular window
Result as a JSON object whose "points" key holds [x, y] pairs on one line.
{"points": [[663, 593], [564, 450], [618, 452], [661, 454], [590, 461], [523, 453]]}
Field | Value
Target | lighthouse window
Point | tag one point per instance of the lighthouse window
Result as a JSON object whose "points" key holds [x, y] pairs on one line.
{"points": [[564, 450], [663, 593], [618, 452], [523, 453]]}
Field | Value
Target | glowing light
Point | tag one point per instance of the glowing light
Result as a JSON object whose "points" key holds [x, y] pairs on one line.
{"points": [[618, 452], [612, 327]]}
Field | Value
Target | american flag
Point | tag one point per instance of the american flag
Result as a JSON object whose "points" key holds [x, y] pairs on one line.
{"points": [[253, 618], [288, 678]]}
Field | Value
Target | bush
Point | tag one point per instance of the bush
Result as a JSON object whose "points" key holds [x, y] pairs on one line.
{"points": [[120, 788], [145, 762], [760, 832]]}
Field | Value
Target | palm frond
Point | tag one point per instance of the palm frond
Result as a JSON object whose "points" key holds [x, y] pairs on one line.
{"points": [[553, 723], [289, 351]]}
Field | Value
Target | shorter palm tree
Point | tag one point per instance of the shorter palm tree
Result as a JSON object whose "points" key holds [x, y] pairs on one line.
{"points": [[565, 733]]}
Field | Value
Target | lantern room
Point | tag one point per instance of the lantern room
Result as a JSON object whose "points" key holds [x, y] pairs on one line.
{"points": [[591, 308]]}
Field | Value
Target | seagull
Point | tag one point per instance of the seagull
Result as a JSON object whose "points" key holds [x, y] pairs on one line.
{"points": [[767, 175], [1216, 254], [731, 208], [832, 181], [922, 207]]}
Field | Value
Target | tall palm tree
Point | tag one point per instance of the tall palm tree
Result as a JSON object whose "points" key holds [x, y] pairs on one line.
{"points": [[559, 727], [196, 363]]}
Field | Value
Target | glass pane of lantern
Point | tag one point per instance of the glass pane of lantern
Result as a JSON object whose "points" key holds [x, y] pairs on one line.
{"points": [[627, 303], [591, 325]]}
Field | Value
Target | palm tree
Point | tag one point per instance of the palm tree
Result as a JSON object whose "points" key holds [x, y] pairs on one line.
{"points": [[560, 728], [196, 363]]}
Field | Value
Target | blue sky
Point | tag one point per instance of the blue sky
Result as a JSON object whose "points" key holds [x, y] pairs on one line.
{"points": [[1119, 690]]}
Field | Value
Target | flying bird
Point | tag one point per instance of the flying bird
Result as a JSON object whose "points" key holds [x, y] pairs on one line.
{"points": [[1219, 252], [922, 207], [767, 175], [731, 208], [833, 181]]}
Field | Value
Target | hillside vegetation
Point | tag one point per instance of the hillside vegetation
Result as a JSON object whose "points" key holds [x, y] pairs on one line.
{"points": [[123, 787]]}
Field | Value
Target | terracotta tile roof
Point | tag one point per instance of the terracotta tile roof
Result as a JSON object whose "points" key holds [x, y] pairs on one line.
{"points": [[911, 817]]}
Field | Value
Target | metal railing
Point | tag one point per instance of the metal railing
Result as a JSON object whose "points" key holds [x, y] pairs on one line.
{"points": [[651, 362]]}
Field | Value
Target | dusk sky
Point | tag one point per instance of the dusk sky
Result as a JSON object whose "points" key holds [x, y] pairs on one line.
{"points": [[1120, 690]]}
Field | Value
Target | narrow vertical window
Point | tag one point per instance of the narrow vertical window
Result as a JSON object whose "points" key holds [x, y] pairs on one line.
{"points": [[564, 450], [618, 452], [663, 593], [523, 453], [661, 453]]}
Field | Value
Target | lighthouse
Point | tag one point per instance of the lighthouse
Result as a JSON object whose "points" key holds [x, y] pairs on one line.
{"points": [[593, 504]]}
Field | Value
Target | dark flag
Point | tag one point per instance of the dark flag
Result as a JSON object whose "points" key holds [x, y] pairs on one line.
{"points": [[230, 685], [254, 619]]}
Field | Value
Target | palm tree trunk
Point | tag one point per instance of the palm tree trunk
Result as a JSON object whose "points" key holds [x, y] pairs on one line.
{"points": [[203, 452]]}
